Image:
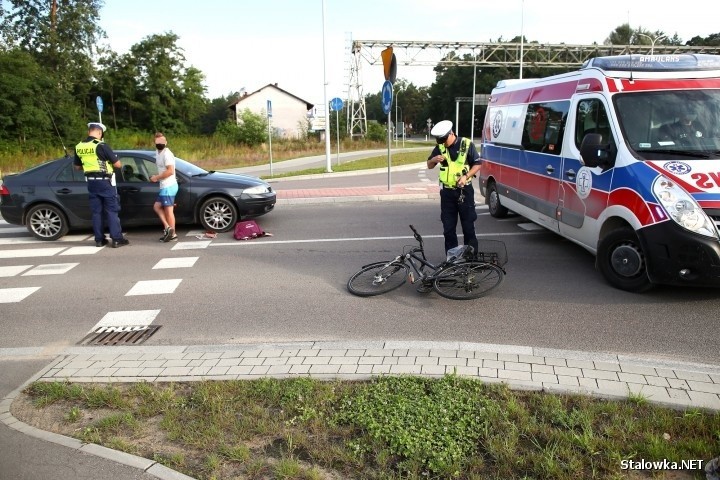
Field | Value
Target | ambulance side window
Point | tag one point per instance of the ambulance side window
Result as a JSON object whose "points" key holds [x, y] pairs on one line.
{"points": [[592, 118], [544, 127]]}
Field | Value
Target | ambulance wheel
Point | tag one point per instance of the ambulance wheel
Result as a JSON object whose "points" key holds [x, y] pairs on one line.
{"points": [[622, 262], [493, 200]]}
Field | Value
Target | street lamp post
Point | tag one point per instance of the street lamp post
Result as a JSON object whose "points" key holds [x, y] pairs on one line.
{"points": [[328, 167], [652, 41]]}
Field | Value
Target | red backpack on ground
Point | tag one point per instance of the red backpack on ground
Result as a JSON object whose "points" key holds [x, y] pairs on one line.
{"points": [[247, 230]]}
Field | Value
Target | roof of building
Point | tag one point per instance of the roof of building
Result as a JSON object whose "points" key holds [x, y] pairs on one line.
{"points": [[271, 85]]}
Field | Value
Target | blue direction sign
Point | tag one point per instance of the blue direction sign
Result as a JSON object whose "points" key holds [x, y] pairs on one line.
{"points": [[99, 103], [336, 104], [387, 96], [269, 109]]}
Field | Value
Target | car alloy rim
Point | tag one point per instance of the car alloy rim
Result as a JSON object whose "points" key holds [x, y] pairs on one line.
{"points": [[45, 223], [218, 215]]}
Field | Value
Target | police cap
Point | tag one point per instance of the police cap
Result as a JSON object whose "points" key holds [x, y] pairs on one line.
{"points": [[441, 129], [94, 125]]}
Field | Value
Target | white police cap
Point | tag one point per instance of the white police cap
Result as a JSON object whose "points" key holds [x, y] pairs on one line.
{"points": [[441, 129], [99, 125]]}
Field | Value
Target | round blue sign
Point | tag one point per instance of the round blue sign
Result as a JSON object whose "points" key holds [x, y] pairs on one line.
{"points": [[99, 103], [387, 96], [336, 104]]}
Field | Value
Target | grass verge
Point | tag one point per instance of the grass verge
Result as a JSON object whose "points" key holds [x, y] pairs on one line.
{"points": [[387, 428], [406, 158]]}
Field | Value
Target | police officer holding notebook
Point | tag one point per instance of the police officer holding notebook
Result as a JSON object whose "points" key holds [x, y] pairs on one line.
{"points": [[96, 159], [459, 161]]}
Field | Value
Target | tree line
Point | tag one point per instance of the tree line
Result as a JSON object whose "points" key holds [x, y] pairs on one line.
{"points": [[54, 64]]}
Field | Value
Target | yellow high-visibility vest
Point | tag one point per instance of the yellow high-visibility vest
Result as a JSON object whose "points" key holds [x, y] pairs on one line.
{"points": [[455, 169], [91, 163]]}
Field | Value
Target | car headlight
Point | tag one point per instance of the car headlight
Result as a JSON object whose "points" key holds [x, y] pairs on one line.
{"points": [[682, 207], [257, 189]]}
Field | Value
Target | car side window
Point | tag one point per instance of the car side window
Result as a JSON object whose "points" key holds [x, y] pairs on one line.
{"points": [[592, 117], [69, 174], [134, 169], [544, 127]]}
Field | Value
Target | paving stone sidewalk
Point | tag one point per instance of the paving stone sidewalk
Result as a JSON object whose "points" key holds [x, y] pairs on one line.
{"points": [[673, 384]]}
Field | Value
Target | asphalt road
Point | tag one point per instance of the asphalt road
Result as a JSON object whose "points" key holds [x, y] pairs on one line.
{"points": [[291, 286]]}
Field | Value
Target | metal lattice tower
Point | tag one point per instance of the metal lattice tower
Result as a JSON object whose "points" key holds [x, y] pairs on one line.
{"points": [[356, 113], [484, 55]]}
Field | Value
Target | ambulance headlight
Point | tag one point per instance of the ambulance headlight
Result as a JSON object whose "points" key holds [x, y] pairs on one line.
{"points": [[682, 208]]}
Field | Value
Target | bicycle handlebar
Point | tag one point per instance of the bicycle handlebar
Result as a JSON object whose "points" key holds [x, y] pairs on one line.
{"points": [[416, 235]]}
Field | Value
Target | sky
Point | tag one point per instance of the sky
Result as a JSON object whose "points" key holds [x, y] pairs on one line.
{"points": [[302, 44]]}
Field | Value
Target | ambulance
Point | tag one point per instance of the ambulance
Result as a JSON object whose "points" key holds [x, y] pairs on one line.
{"points": [[621, 157]]}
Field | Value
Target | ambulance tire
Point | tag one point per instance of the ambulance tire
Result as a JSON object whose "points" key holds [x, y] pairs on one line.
{"points": [[622, 262], [493, 201]]}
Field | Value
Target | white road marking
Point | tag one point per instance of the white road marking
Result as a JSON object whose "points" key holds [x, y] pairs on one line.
{"points": [[30, 252], [154, 287], [51, 269], [530, 227], [13, 270], [128, 318], [192, 245], [82, 250], [331, 240], [178, 262], [14, 295], [28, 239]]}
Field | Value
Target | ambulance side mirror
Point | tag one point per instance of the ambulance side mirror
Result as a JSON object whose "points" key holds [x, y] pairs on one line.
{"points": [[595, 153]]}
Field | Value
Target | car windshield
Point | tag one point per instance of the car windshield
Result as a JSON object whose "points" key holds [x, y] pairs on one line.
{"points": [[188, 168], [671, 123]]}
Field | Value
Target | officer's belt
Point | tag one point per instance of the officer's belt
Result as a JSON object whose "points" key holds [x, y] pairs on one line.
{"points": [[98, 177]]}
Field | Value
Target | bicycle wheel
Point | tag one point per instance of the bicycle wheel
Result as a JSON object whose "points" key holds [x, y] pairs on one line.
{"points": [[468, 280], [378, 278]]}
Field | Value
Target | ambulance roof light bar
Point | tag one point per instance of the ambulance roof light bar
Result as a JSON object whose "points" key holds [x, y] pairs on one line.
{"points": [[655, 63]]}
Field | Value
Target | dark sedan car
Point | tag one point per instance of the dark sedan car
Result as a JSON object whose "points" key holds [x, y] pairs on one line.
{"points": [[52, 198]]}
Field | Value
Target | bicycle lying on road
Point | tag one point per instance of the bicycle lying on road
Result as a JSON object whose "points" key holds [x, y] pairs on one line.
{"points": [[462, 276]]}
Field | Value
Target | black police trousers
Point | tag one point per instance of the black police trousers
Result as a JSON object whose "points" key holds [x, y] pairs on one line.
{"points": [[451, 209]]}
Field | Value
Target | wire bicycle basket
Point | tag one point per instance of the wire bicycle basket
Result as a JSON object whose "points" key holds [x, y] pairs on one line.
{"points": [[492, 251]]}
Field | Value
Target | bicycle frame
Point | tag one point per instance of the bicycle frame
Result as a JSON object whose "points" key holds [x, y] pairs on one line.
{"points": [[461, 276], [419, 263]]}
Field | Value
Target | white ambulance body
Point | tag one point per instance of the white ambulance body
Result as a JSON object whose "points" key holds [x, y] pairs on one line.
{"points": [[622, 157]]}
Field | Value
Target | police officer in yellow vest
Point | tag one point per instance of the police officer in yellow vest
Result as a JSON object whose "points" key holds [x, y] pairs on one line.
{"points": [[97, 160], [459, 162]]}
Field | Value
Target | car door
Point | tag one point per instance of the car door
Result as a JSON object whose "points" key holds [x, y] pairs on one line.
{"points": [[540, 161], [69, 188], [137, 192], [584, 190]]}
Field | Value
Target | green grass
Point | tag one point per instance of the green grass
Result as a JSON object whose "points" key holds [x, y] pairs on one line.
{"points": [[397, 159], [208, 152], [387, 428]]}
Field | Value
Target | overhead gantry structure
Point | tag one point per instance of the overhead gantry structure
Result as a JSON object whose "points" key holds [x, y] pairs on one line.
{"points": [[482, 55]]}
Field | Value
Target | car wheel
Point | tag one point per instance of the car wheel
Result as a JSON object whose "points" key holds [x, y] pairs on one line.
{"points": [[218, 214], [622, 262], [496, 209], [47, 222]]}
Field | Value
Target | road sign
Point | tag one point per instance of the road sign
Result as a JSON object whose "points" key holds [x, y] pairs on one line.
{"points": [[387, 96], [336, 104], [389, 64], [269, 109], [99, 103]]}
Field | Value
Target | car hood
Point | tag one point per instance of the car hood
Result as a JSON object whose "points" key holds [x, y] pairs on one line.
{"points": [[231, 179]]}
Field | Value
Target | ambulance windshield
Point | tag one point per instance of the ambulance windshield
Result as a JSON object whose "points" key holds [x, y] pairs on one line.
{"points": [[664, 124]]}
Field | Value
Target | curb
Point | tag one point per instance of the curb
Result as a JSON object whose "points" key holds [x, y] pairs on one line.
{"points": [[148, 466], [590, 362]]}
